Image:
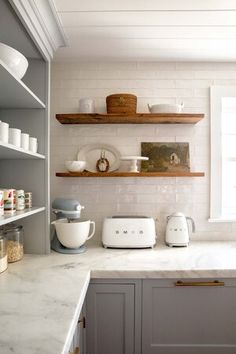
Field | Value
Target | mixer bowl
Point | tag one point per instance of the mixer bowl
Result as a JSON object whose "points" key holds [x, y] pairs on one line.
{"points": [[75, 233]]}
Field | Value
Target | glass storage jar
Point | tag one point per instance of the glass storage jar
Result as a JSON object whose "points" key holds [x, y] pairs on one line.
{"points": [[14, 235], [3, 253]]}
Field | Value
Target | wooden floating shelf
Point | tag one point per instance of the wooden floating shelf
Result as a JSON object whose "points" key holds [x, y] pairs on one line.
{"points": [[138, 118], [130, 174]]}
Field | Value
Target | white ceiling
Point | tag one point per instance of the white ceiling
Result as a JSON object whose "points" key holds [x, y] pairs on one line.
{"points": [[148, 30]]}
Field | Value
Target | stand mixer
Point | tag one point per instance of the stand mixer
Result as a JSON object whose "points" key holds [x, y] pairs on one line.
{"points": [[70, 209]]}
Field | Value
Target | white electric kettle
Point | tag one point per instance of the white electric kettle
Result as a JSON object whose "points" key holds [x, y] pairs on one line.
{"points": [[177, 231]]}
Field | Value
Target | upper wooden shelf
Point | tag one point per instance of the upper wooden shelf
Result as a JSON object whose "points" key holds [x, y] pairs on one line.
{"points": [[130, 174], [138, 118]]}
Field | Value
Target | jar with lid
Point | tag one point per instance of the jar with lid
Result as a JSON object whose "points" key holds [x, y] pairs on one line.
{"points": [[14, 236], [3, 253]]}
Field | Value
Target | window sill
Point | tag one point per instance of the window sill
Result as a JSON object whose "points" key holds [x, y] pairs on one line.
{"points": [[223, 219]]}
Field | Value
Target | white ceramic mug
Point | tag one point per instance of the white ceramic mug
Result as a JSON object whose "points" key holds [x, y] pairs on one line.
{"points": [[33, 144], [75, 233], [4, 132], [86, 105], [15, 136], [25, 141]]}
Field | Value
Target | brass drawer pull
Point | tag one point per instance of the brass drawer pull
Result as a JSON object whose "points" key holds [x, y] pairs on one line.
{"points": [[199, 283]]}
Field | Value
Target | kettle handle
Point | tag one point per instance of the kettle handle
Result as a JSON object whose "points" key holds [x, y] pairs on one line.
{"points": [[149, 107], [193, 223]]}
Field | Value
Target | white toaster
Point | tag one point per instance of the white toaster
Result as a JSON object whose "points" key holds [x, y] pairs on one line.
{"points": [[128, 232]]}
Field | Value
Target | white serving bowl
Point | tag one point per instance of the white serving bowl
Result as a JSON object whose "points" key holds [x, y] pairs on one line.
{"points": [[75, 166], [75, 233], [14, 60], [166, 108]]}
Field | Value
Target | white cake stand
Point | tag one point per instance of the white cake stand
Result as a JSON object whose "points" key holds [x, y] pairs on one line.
{"points": [[134, 161]]}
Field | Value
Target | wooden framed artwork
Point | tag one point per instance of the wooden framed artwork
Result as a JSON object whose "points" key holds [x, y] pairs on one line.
{"points": [[165, 157]]}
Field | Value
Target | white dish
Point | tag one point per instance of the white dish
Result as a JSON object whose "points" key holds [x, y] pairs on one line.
{"points": [[166, 108], [15, 61], [141, 158], [75, 166], [92, 153]]}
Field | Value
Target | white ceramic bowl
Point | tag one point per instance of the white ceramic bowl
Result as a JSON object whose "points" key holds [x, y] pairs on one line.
{"points": [[75, 233], [14, 60], [75, 166], [166, 108]]}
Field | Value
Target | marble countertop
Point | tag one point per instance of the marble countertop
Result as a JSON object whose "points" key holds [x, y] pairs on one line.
{"points": [[41, 296]]}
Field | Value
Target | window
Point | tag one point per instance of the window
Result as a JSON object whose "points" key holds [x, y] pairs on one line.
{"points": [[223, 154]]}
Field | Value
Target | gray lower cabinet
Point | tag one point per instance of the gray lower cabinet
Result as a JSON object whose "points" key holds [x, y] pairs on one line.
{"points": [[113, 323], [185, 318]]}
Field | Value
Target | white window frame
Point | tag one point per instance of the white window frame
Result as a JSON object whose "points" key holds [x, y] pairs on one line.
{"points": [[216, 94]]}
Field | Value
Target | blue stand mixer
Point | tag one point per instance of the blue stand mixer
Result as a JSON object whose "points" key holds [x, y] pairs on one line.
{"points": [[69, 209]]}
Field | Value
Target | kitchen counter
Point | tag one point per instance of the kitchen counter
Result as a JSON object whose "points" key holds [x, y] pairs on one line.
{"points": [[41, 297]]}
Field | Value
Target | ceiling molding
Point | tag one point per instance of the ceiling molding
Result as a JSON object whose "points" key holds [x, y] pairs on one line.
{"points": [[142, 5], [43, 24]]}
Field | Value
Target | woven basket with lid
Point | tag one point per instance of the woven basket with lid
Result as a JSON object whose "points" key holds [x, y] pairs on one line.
{"points": [[122, 103]]}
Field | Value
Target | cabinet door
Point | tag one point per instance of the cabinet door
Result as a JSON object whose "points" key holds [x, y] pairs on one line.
{"points": [[80, 336], [188, 319], [77, 343], [110, 319]]}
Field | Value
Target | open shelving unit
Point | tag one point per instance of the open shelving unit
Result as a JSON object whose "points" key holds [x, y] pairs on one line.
{"points": [[24, 105], [138, 118], [130, 174]]}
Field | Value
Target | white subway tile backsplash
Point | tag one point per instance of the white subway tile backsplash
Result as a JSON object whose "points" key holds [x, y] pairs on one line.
{"points": [[156, 66], [121, 66], [193, 83], [152, 82], [177, 93], [136, 189]]}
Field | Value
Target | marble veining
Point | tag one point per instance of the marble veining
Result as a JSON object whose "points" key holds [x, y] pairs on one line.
{"points": [[42, 296]]}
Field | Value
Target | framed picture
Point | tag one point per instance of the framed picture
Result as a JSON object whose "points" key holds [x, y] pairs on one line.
{"points": [[165, 157]]}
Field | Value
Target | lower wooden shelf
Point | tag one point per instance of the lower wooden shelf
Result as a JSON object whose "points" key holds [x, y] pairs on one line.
{"points": [[130, 174]]}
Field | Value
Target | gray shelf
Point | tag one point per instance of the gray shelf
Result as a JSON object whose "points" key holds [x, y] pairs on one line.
{"points": [[20, 215], [14, 93], [9, 151]]}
